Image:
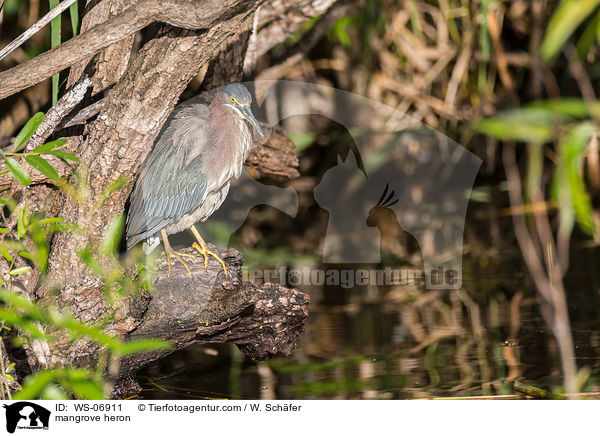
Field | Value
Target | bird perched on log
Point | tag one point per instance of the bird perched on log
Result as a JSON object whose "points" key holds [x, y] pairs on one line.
{"points": [[186, 176]]}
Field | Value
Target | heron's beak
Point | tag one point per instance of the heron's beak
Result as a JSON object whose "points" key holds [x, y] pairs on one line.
{"points": [[249, 116]]}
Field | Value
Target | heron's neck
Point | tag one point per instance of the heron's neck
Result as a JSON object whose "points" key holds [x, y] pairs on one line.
{"points": [[225, 125], [232, 141]]}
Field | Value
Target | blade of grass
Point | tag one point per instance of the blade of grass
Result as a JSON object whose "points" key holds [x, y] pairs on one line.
{"points": [[74, 12], [55, 42]]}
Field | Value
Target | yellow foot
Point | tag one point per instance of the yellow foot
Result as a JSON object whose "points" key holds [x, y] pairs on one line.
{"points": [[178, 255], [206, 252]]}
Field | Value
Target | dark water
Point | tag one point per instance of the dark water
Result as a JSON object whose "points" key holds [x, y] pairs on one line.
{"points": [[408, 342]]}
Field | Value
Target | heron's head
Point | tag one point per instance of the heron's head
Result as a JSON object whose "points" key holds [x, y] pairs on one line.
{"points": [[237, 97]]}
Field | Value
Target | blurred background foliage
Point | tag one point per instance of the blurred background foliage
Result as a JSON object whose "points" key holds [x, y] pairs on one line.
{"points": [[516, 75]]}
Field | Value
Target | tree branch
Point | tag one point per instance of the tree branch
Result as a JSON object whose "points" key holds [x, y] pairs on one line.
{"points": [[56, 113], [188, 14]]}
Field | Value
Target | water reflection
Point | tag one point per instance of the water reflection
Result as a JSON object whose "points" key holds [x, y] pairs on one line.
{"points": [[404, 342]]}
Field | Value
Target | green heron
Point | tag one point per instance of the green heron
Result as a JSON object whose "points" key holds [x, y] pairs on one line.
{"points": [[186, 176]]}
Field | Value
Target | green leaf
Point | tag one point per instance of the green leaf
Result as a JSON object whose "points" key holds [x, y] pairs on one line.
{"points": [[18, 172], [27, 326], [87, 256], [26, 255], [12, 245], [525, 125], [17, 271], [28, 129], [302, 140], [110, 241], [34, 385], [63, 155], [25, 214], [49, 146], [143, 345], [74, 12], [10, 202], [564, 21], [568, 107], [5, 254], [3, 230], [53, 392], [569, 185], [42, 165], [340, 30], [110, 189]]}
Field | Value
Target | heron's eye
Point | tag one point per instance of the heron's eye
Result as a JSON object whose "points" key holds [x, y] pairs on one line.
{"points": [[233, 100]]}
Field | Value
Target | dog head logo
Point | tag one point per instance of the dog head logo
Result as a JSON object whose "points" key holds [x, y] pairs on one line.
{"points": [[25, 414]]}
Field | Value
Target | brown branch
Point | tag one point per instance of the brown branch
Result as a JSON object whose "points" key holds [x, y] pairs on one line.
{"points": [[190, 14], [56, 113], [217, 307], [275, 158], [84, 114]]}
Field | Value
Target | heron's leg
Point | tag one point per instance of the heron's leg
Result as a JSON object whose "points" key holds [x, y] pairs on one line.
{"points": [[201, 247], [169, 252]]}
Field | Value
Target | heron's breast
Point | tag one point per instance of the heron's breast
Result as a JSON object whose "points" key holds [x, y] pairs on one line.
{"points": [[226, 159]]}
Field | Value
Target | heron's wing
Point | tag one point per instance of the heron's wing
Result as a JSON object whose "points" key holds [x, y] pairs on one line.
{"points": [[154, 206], [172, 181]]}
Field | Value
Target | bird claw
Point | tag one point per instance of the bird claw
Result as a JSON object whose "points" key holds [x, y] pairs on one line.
{"points": [[178, 255], [205, 252]]}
